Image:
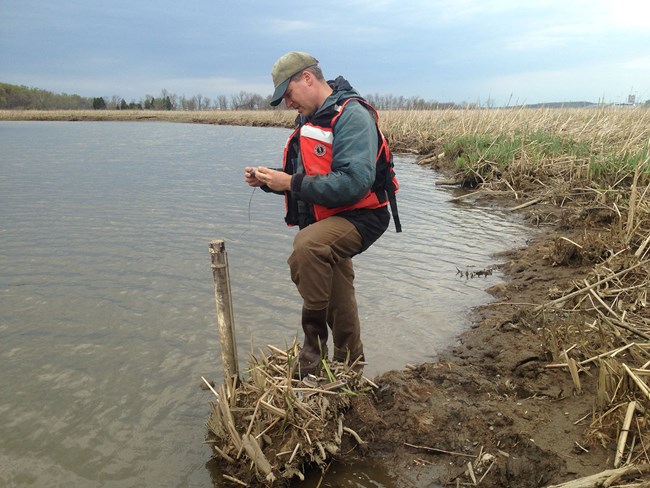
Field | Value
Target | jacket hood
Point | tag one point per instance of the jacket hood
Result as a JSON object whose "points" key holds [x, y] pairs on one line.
{"points": [[342, 90], [340, 84]]}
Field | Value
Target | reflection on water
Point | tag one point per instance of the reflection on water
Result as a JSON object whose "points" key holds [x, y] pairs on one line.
{"points": [[107, 317]]}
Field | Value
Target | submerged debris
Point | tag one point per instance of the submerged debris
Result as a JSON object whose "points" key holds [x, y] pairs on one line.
{"points": [[467, 273], [264, 430]]}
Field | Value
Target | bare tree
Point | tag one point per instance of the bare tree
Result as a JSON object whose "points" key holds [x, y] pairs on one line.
{"points": [[222, 102], [238, 102]]}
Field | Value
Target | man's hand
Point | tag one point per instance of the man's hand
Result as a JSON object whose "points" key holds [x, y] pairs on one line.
{"points": [[275, 180], [250, 178]]}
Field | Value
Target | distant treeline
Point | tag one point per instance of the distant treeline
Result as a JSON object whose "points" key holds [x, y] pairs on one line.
{"points": [[15, 97]]}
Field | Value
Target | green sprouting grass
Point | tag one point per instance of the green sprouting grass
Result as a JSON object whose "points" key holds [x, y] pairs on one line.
{"points": [[604, 168], [473, 151], [488, 156]]}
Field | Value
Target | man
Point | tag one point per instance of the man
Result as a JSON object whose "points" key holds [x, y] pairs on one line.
{"points": [[330, 166]]}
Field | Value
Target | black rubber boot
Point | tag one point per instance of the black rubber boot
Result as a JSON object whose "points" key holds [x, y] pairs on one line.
{"points": [[343, 319], [314, 348]]}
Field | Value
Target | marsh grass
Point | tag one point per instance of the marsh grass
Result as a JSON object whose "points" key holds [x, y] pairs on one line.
{"points": [[590, 142], [488, 156], [594, 157]]}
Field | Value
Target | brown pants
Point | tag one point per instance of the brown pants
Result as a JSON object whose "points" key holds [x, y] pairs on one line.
{"points": [[321, 268]]}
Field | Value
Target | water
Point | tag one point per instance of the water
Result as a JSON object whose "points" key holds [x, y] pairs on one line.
{"points": [[107, 314]]}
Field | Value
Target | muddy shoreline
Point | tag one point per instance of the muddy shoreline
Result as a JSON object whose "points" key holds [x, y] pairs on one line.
{"points": [[491, 397]]}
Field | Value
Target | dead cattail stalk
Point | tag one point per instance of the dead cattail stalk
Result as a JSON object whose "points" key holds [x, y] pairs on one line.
{"points": [[606, 478], [594, 285], [234, 480], [622, 440], [257, 457], [633, 200], [534, 201], [441, 451], [293, 454], [210, 386], [640, 251], [359, 440], [223, 454], [642, 386], [573, 368], [273, 409]]}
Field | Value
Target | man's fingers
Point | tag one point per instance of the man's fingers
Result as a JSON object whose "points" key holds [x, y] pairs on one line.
{"points": [[263, 174]]}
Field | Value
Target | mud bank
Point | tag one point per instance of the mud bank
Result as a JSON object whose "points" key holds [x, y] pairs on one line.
{"points": [[491, 401]]}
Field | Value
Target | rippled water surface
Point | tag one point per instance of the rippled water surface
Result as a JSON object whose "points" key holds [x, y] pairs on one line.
{"points": [[107, 313]]}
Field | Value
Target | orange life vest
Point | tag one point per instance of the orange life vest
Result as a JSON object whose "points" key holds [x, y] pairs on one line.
{"points": [[315, 142]]}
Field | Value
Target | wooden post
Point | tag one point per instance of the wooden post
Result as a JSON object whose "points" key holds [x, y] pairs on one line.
{"points": [[223, 298]]}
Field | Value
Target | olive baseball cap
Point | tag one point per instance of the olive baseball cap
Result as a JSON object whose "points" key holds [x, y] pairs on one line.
{"points": [[284, 68]]}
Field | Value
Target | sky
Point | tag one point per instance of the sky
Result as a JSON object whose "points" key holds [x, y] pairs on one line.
{"points": [[501, 52]]}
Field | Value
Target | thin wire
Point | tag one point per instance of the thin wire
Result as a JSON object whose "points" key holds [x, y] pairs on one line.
{"points": [[249, 205], [250, 200]]}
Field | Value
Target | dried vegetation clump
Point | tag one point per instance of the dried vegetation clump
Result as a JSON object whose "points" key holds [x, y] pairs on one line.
{"points": [[266, 429]]}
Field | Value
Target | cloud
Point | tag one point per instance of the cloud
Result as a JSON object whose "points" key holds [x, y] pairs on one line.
{"points": [[444, 49], [639, 64], [599, 80], [580, 22], [621, 15], [548, 37], [285, 26]]}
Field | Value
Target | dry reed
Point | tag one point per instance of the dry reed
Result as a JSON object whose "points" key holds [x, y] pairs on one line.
{"points": [[265, 429]]}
